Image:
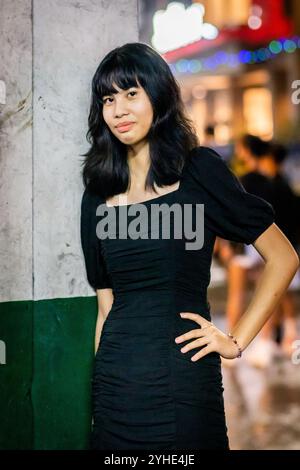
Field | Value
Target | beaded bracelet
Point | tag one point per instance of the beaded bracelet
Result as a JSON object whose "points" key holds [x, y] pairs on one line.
{"points": [[235, 341]]}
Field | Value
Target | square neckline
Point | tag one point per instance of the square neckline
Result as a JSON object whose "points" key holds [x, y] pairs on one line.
{"points": [[147, 200]]}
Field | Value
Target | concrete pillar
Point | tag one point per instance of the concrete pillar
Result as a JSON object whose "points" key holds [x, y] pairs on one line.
{"points": [[50, 50]]}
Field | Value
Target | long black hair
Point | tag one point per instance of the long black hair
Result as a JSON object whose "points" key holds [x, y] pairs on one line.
{"points": [[171, 136]]}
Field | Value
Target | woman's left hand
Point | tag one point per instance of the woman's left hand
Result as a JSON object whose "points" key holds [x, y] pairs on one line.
{"points": [[209, 336]]}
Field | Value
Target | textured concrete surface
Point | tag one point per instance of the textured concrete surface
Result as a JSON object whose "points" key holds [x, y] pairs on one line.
{"points": [[50, 50], [16, 151], [70, 39]]}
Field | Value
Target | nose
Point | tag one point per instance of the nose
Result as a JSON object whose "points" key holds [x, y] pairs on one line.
{"points": [[120, 108]]}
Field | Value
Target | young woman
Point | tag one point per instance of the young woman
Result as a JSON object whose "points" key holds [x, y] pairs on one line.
{"points": [[157, 382]]}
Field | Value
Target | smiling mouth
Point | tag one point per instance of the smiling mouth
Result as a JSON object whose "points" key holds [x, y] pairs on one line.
{"points": [[125, 128]]}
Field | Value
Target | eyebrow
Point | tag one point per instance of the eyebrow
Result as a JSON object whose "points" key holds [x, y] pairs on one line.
{"points": [[116, 92]]}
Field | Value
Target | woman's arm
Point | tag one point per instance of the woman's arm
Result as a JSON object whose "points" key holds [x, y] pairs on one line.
{"points": [[105, 300], [281, 264]]}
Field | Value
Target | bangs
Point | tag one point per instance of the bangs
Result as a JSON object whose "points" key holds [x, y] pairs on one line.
{"points": [[123, 74]]}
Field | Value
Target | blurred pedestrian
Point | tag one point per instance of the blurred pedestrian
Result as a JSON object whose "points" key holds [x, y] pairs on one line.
{"points": [[263, 177]]}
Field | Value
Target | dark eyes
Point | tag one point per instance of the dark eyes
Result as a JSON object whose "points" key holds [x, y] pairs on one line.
{"points": [[105, 100]]}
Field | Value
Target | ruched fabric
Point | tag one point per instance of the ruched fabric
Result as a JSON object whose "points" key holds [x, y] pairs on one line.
{"points": [[146, 393]]}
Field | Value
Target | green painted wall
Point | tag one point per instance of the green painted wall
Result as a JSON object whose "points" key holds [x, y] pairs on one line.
{"points": [[45, 383], [16, 330]]}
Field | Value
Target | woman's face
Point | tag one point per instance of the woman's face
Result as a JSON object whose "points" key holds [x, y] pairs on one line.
{"points": [[132, 105]]}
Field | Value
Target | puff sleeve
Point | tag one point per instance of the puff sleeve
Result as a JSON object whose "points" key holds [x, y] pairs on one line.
{"points": [[229, 210], [96, 269]]}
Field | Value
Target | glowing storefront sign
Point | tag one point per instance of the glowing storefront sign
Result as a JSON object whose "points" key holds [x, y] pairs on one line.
{"points": [[178, 26]]}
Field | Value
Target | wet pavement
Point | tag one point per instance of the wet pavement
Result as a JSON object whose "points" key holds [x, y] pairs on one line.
{"points": [[262, 406]]}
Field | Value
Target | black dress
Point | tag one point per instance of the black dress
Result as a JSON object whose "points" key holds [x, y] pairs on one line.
{"points": [[146, 393]]}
